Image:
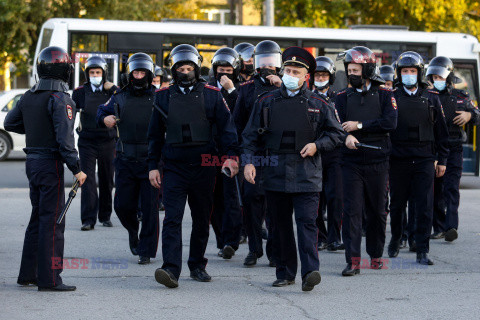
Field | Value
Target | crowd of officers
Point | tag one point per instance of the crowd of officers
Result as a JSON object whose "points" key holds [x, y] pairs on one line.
{"points": [[301, 148]]}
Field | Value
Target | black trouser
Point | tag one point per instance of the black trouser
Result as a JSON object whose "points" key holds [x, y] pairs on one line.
{"points": [[255, 210], [42, 256], [408, 232], [449, 197], [333, 199], [131, 182], [226, 216], [281, 205], [182, 181], [92, 151], [438, 222], [412, 179], [364, 191]]}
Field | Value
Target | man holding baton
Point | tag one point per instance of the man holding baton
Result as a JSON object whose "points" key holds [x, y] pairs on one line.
{"points": [[368, 113], [46, 115]]}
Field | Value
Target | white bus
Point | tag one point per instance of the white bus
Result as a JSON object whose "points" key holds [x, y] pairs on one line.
{"points": [[117, 40]]}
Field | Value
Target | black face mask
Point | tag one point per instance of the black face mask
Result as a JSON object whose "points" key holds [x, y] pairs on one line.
{"points": [[221, 74], [264, 72], [139, 84], [186, 80], [248, 70], [355, 81]]}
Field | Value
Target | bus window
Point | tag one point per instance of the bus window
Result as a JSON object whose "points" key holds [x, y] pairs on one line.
{"points": [[46, 37], [207, 48], [283, 43], [89, 42]]}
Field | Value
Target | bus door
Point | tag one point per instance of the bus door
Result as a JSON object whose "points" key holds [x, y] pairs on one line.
{"points": [[79, 59], [467, 71]]}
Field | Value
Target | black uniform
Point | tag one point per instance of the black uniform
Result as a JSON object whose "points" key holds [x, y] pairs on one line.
{"points": [[365, 171], [226, 218], [331, 197], [46, 115], [253, 194], [420, 139], [292, 182], [134, 109], [95, 145], [181, 140], [447, 193]]}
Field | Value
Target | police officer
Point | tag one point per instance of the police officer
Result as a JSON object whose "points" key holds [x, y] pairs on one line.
{"points": [[332, 193], [130, 109], [157, 77], [181, 131], [245, 51], [46, 115], [95, 145], [387, 73], [265, 80], [459, 110], [300, 125], [368, 113], [226, 217], [419, 140], [162, 77]]}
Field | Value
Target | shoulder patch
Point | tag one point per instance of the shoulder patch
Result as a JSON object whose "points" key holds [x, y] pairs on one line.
{"points": [[69, 112], [245, 83], [211, 87], [394, 103]]}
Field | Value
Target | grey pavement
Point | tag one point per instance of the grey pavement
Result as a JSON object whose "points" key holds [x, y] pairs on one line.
{"points": [[112, 285]]}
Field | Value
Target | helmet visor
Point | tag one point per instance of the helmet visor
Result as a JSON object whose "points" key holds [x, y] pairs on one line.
{"points": [[324, 66], [140, 64], [185, 56], [247, 53], [268, 60], [223, 58], [440, 71]]}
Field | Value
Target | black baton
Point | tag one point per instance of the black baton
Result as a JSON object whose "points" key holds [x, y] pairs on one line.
{"points": [[71, 195], [368, 146], [226, 171]]}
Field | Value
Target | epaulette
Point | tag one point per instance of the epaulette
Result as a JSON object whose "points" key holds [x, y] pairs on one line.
{"points": [[211, 87], [319, 98], [461, 93], [245, 83], [162, 89], [263, 96], [79, 87], [342, 92], [385, 88], [433, 91]]}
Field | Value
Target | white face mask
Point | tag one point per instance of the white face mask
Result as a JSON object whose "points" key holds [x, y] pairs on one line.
{"points": [[157, 86], [96, 81], [321, 84], [291, 83]]}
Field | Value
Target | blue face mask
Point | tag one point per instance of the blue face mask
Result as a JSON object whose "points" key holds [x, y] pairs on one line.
{"points": [[291, 83], [409, 79], [96, 81], [440, 85], [321, 85]]}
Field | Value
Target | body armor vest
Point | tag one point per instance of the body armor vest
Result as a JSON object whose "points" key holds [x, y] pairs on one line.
{"points": [[133, 126], [290, 128], [39, 129], [187, 123]]}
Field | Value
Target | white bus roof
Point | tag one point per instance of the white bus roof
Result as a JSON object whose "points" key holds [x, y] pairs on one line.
{"points": [[209, 29]]}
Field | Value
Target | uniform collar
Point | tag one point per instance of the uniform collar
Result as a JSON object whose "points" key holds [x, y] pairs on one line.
{"points": [[410, 93]]}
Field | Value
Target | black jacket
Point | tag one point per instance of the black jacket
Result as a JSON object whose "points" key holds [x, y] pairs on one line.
{"points": [[290, 172]]}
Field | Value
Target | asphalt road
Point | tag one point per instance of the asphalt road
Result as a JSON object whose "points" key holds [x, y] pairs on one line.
{"points": [[112, 285]]}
